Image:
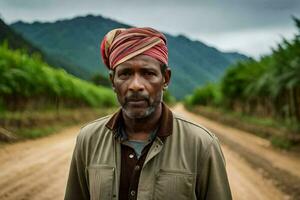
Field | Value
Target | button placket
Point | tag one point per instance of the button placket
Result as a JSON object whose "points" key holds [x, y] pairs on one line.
{"points": [[131, 155], [132, 193]]}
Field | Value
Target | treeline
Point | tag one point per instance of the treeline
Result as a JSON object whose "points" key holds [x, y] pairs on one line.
{"points": [[269, 87], [26, 82]]}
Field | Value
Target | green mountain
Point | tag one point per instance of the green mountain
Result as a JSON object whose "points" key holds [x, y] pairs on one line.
{"points": [[77, 40], [15, 40]]}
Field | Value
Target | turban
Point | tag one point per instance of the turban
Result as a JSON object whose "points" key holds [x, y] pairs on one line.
{"points": [[120, 45]]}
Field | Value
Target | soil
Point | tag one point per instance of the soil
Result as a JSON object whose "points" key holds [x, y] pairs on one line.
{"points": [[38, 169]]}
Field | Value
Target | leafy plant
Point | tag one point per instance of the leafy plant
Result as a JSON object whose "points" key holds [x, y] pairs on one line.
{"points": [[26, 81]]}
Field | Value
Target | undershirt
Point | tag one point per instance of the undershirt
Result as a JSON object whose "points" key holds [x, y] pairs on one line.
{"points": [[137, 145]]}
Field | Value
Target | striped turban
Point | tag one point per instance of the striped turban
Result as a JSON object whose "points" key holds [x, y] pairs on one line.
{"points": [[120, 45]]}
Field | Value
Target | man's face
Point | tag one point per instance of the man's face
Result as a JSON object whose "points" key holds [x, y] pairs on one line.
{"points": [[139, 86]]}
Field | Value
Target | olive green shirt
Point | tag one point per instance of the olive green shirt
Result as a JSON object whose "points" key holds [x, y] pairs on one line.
{"points": [[185, 163]]}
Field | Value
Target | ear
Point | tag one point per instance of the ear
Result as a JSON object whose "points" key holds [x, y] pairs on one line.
{"points": [[111, 78], [167, 77]]}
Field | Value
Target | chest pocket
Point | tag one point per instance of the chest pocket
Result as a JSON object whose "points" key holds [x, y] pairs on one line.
{"points": [[101, 179], [170, 185]]}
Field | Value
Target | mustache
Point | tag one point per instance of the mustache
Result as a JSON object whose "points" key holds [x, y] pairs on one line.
{"points": [[136, 97]]}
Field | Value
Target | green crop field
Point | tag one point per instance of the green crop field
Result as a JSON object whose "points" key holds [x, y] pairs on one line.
{"points": [[26, 82]]}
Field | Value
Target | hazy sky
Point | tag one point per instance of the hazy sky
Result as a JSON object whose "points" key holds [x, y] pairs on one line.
{"points": [[248, 26]]}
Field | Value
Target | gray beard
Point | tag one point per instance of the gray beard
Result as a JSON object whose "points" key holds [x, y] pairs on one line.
{"points": [[150, 110]]}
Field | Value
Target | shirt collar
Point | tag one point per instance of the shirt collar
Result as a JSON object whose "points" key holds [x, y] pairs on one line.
{"points": [[124, 137], [165, 123]]}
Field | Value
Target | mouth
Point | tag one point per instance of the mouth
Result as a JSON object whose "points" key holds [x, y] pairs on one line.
{"points": [[137, 102]]}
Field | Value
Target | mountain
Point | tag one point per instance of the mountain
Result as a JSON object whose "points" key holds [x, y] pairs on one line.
{"points": [[192, 62], [15, 41]]}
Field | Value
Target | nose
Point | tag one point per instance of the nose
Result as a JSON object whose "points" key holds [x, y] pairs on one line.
{"points": [[136, 84]]}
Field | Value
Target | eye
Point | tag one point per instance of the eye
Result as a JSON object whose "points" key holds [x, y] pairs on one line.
{"points": [[149, 73], [124, 74]]}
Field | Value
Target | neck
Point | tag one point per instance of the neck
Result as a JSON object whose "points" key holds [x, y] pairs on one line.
{"points": [[141, 128]]}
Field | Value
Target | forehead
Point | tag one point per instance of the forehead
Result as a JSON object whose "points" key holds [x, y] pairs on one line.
{"points": [[140, 61]]}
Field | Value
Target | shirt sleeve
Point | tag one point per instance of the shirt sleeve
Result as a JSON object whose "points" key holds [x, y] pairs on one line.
{"points": [[212, 182], [77, 187]]}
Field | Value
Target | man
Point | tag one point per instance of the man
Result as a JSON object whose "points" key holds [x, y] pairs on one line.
{"points": [[144, 151]]}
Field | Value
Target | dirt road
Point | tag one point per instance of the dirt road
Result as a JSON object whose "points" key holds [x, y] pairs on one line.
{"points": [[37, 170]]}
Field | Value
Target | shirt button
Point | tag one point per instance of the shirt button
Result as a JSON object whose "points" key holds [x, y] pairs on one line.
{"points": [[137, 168], [131, 155], [132, 193]]}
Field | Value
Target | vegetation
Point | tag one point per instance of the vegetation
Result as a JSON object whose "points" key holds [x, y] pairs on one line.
{"points": [[168, 98], [209, 94], [31, 124], [267, 88], [16, 41], [77, 42], [29, 83], [99, 79]]}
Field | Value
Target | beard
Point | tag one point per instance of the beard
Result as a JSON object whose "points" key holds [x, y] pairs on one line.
{"points": [[144, 111]]}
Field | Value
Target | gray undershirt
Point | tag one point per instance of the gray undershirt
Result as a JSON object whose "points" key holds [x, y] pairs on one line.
{"points": [[137, 145]]}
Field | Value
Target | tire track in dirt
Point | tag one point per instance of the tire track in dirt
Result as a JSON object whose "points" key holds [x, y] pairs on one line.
{"points": [[38, 168], [34, 183], [246, 183], [32, 165]]}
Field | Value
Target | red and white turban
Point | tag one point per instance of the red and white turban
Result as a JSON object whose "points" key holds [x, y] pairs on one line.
{"points": [[120, 45]]}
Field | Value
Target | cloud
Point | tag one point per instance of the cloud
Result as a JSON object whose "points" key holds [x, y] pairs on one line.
{"points": [[235, 20], [255, 43]]}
